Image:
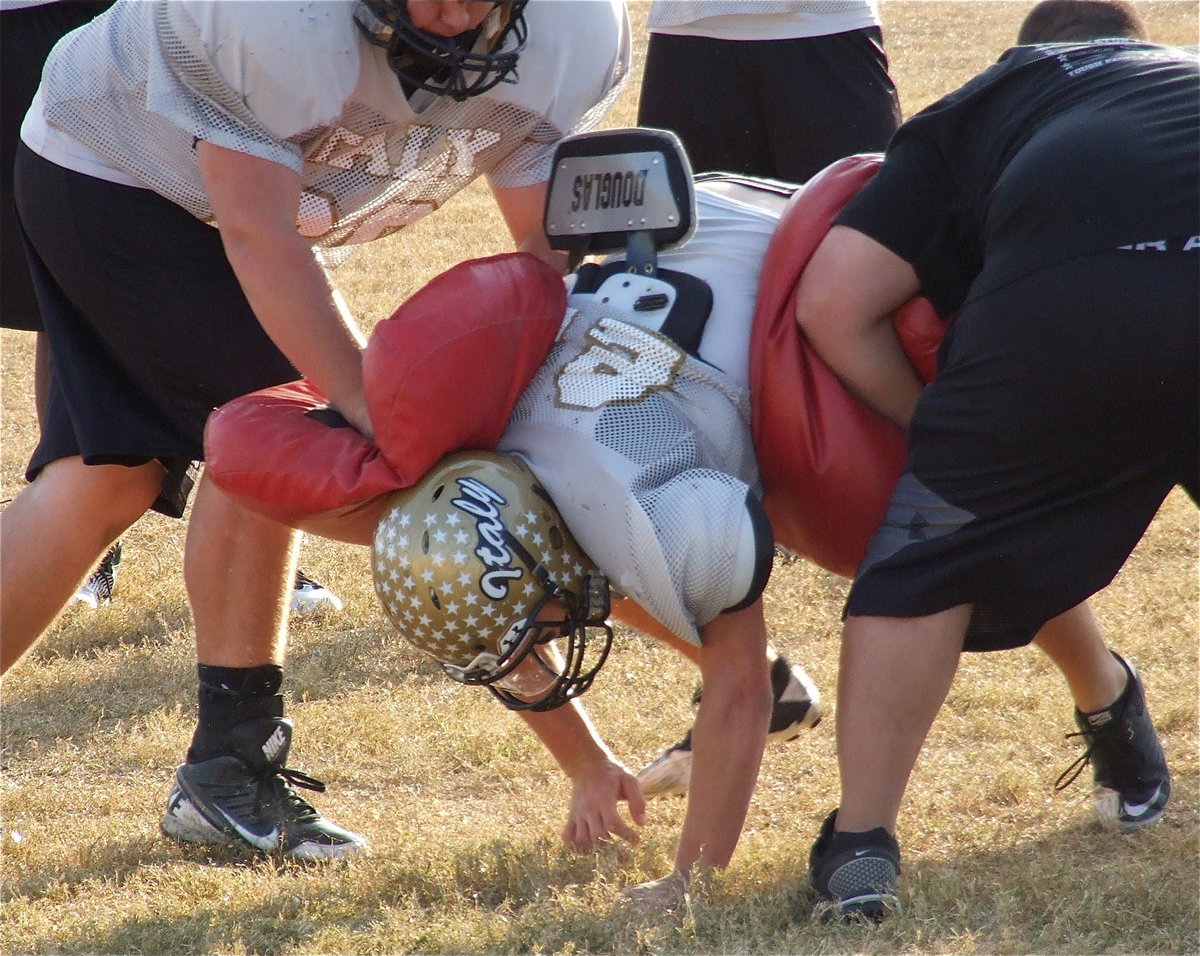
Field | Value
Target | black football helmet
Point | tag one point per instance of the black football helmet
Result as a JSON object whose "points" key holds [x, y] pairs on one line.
{"points": [[476, 568], [459, 67]]}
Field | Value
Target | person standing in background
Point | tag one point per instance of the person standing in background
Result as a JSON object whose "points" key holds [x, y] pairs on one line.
{"points": [[776, 89], [30, 30]]}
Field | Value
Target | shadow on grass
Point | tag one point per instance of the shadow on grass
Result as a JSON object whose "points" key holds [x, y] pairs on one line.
{"points": [[290, 902], [83, 632], [116, 862], [1077, 890], [84, 682]]}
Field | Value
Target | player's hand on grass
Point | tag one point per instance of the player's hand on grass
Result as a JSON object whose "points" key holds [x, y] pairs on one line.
{"points": [[665, 894], [594, 816]]}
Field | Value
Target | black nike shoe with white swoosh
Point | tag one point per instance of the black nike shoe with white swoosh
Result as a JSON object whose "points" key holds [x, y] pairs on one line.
{"points": [[247, 797], [1132, 782], [853, 873]]}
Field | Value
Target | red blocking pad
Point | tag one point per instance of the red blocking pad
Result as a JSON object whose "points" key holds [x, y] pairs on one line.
{"points": [[285, 454], [441, 374], [828, 462], [445, 371]]}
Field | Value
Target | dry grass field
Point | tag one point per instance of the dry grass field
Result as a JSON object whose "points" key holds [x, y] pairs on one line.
{"points": [[462, 807]]}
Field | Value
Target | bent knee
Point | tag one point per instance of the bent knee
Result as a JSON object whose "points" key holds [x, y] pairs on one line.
{"points": [[121, 492]]}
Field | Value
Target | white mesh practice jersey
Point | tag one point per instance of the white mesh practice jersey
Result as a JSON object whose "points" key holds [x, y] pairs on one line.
{"points": [[761, 19], [295, 83], [644, 448]]}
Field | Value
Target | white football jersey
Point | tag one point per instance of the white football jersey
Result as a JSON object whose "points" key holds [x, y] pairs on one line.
{"points": [[295, 83], [644, 448], [761, 19]]}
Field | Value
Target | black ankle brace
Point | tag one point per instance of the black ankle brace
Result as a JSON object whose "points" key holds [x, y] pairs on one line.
{"points": [[227, 697]]}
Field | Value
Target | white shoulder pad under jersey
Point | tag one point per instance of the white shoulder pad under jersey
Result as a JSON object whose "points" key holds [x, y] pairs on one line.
{"points": [[284, 66], [645, 449], [574, 63], [295, 83], [735, 224]]}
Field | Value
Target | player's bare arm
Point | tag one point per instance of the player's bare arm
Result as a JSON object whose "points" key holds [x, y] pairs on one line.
{"points": [[255, 203], [522, 209], [599, 782], [844, 304]]}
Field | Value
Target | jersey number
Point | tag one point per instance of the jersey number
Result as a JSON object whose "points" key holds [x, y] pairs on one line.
{"points": [[620, 364]]}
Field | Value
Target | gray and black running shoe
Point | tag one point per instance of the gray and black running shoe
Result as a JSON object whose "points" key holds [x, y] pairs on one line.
{"points": [[247, 798], [854, 874], [1132, 782]]}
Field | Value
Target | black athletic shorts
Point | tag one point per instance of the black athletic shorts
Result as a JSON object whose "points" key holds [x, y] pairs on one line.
{"points": [[27, 36], [148, 327], [783, 109], [1065, 410]]}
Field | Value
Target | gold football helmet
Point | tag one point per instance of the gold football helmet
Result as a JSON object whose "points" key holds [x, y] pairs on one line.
{"points": [[476, 568]]}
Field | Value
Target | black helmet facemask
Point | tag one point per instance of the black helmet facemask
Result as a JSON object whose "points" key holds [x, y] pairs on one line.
{"points": [[447, 66]]}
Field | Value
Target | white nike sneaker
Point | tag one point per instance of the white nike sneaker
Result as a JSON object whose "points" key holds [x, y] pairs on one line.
{"points": [[797, 706], [309, 596]]}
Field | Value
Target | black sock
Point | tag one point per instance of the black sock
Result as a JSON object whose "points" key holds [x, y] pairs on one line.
{"points": [[229, 696]]}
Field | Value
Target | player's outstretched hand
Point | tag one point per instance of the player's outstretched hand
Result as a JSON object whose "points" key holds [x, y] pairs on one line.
{"points": [[593, 816]]}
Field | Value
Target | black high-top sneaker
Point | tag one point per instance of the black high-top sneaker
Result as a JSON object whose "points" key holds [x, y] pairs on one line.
{"points": [[247, 797], [1132, 783]]}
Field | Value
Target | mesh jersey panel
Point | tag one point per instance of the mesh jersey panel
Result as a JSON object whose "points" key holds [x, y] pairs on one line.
{"points": [[646, 451]]}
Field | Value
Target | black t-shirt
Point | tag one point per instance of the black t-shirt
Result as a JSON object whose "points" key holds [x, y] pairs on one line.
{"points": [[1054, 152]]}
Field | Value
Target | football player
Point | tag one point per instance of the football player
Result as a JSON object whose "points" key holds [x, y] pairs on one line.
{"points": [[635, 431], [632, 454], [632, 435], [297, 130]]}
